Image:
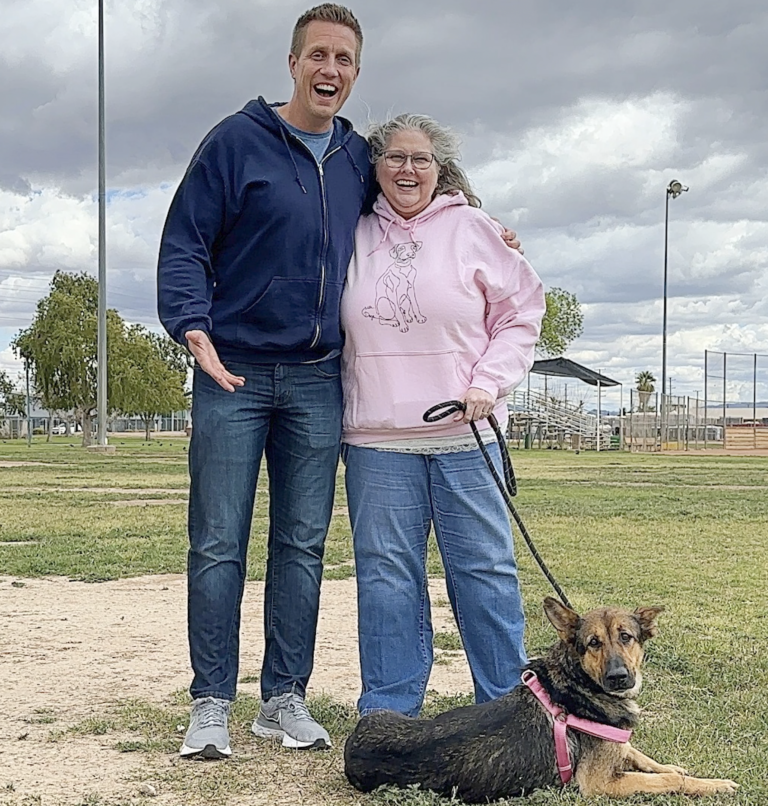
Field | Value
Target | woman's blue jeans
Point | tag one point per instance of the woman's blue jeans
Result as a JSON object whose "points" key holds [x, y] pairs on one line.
{"points": [[292, 415], [393, 499]]}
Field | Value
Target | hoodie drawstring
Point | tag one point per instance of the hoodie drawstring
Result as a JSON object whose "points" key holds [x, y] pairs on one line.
{"points": [[354, 164], [383, 237], [408, 226], [293, 160]]}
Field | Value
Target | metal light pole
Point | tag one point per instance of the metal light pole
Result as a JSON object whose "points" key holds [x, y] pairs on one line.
{"points": [[674, 189], [101, 350], [29, 407]]}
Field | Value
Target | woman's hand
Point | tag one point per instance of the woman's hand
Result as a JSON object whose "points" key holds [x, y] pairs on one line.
{"points": [[206, 356], [479, 405]]}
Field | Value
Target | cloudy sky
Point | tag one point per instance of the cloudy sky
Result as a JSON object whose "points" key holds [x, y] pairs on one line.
{"points": [[574, 118]]}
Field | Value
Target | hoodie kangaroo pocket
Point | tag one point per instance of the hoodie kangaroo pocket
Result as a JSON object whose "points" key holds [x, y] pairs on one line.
{"points": [[282, 318], [393, 390]]}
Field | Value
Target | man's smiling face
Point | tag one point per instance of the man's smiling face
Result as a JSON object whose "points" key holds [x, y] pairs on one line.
{"points": [[325, 72]]}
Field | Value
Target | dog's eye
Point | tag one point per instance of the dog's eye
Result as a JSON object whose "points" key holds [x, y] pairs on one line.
{"points": [[625, 637], [594, 643]]}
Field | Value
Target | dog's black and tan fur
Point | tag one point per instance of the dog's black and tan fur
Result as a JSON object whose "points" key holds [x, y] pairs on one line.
{"points": [[506, 747]]}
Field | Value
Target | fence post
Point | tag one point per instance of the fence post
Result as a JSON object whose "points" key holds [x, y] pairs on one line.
{"points": [[725, 394], [754, 402], [696, 423]]}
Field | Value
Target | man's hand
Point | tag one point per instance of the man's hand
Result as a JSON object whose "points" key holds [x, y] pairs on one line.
{"points": [[206, 356], [510, 238], [479, 405]]}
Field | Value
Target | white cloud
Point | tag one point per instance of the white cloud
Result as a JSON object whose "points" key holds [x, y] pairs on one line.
{"points": [[576, 118]]}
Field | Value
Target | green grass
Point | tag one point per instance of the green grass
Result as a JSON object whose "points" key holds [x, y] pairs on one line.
{"points": [[687, 532], [68, 512], [448, 641]]}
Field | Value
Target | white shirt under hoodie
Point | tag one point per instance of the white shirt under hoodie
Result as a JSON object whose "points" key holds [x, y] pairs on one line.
{"points": [[433, 305]]}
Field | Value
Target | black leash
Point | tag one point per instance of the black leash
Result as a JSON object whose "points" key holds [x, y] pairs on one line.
{"points": [[508, 487]]}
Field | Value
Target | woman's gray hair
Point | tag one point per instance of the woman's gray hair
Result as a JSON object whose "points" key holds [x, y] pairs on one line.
{"points": [[445, 147]]}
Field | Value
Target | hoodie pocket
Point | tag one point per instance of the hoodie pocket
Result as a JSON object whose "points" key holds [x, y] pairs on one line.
{"points": [[393, 390], [282, 318]]}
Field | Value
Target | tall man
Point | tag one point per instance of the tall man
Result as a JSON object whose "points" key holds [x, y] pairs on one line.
{"points": [[252, 263]]}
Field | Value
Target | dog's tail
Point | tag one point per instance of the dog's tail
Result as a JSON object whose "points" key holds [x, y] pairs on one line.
{"points": [[370, 312]]}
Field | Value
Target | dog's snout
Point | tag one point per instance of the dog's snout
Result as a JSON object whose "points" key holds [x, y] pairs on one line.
{"points": [[617, 677]]}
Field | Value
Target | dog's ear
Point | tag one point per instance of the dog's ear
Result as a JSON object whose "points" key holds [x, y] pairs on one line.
{"points": [[646, 618], [418, 245], [395, 250], [563, 619]]}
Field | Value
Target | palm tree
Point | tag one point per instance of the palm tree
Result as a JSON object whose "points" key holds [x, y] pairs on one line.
{"points": [[645, 381]]}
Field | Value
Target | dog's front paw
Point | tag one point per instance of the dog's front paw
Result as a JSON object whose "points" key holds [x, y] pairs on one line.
{"points": [[709, 786], [725, 786], [421, 319]]}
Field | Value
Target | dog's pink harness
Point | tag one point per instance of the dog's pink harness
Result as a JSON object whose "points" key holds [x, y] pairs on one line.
{"points": [[563, 721]]}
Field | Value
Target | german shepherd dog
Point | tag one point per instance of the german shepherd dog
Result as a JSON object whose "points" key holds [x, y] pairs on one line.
{"points": [[506, 748]]}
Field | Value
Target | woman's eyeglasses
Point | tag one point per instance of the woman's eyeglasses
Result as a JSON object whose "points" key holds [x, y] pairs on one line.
{"points": [[421, 160]]}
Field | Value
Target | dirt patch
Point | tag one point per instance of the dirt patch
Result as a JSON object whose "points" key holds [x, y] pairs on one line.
{"points": [[110, 490], [719, 452], [71, 649], [6, 463], [148, 502]]}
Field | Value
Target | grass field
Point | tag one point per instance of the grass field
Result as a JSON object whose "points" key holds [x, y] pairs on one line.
{"points": [[688, 532]]}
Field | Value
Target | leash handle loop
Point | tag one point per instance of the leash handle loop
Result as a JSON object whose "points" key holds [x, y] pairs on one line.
{"points": [[443, 410]]}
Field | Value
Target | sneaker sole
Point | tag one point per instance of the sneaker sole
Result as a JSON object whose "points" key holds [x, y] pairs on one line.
{"points": [[209, 752], [288, 741], [295, 744]]}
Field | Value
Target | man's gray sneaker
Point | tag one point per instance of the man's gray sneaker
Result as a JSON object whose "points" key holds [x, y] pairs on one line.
{"points": [[207, 735], [286, 717]]}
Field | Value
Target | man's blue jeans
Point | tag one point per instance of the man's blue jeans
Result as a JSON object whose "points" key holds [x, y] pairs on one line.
{"points": [[393, 498], [292, 414]]}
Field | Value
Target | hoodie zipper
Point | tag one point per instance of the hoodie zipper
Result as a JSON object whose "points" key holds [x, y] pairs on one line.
{"points": [[324, 252], [321, 176]]}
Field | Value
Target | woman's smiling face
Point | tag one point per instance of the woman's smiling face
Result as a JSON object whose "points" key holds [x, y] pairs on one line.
{"points": [[409, 190]]}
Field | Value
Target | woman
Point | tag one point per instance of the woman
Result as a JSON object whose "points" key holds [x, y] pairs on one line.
{"points": [[436, 307]]}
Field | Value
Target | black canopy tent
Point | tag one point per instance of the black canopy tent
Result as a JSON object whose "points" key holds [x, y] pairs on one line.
{"points": [[565, 368]]}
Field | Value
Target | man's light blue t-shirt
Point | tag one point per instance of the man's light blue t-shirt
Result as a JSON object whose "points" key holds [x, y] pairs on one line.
{"points": [[316, 143]]}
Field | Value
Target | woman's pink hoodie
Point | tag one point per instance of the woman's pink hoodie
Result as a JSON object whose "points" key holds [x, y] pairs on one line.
{"points": [[433, 305]]}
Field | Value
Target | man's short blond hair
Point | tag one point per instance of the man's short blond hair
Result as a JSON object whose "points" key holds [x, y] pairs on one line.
{"points": [[327, 12]]}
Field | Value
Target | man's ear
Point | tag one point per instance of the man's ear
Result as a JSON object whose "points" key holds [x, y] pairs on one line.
{"points": [[292, 62], [646, 618], [562, 618]]}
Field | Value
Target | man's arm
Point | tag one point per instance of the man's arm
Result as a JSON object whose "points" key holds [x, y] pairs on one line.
{"points": [[185, 266]]}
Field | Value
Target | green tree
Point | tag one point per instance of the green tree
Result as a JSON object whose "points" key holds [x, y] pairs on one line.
{"points": [[60, 346], [12, 401], [151, 376], [563, 322]]}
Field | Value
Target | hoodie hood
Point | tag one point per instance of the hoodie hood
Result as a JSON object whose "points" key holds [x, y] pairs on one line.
{"points": [[388, 218], [265, 115], [384, 209]]}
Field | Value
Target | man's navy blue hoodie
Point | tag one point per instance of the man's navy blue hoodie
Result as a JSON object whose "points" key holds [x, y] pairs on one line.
{"points": [[258, 238]]}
